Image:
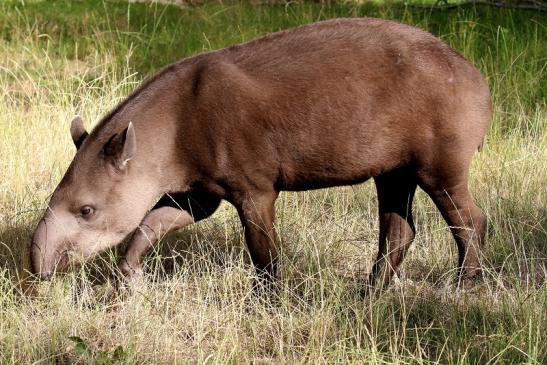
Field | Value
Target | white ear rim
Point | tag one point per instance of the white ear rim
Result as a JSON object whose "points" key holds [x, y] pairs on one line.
{"points": [[130, 146]]}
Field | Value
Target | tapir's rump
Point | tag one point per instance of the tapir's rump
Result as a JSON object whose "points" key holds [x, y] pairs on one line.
{"points": [[326, 104]]}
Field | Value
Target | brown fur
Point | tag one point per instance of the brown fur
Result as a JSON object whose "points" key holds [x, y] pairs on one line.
{"points": [[327, 104]]}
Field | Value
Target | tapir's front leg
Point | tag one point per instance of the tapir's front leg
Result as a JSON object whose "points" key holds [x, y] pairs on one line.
{"points": [[172, 212], [257, 213], [156, 224]]}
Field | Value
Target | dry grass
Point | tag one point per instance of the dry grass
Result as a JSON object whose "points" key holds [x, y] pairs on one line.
{"points": [[196, 304]]}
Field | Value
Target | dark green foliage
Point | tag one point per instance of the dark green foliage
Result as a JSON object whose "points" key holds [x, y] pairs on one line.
{"points": [[83, 349], [509, 45]]}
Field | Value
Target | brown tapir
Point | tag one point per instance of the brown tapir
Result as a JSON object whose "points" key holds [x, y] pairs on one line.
{"points": [[327, 104]]}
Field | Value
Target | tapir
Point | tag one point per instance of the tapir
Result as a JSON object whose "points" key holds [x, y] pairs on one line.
{"points": [[327, 104]]}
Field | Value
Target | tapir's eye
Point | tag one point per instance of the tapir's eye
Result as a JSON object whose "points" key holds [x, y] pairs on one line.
{"points": [[87, 211]]}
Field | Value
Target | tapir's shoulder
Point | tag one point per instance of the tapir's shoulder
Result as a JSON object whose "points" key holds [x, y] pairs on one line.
{"points": [[218, 75]]}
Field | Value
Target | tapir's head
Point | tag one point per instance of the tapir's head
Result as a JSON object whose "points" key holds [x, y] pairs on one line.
{"points": [[102, 197]]}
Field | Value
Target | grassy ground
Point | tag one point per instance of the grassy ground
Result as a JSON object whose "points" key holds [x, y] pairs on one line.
{"points": [[58, 58]]}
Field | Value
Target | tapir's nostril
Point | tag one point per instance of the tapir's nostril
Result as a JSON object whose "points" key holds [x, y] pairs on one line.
{"points": [[34, 246], [34, 257]]}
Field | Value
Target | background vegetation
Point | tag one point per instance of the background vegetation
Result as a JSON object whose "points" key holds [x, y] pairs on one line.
{"points": [[58, 58]]}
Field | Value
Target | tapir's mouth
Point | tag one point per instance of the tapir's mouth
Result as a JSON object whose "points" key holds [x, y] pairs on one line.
{"points": [[61, 263]]}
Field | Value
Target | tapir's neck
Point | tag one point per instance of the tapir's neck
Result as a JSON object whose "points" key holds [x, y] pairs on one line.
{"points": [[154, 110]]}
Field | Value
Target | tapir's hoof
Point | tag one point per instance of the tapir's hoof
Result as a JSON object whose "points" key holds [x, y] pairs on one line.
{"points": [[468, 282]]}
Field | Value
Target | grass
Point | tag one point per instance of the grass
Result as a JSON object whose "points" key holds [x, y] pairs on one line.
{"points": [[58, 58]]}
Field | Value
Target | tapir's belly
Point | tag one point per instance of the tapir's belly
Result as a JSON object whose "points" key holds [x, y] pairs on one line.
{"points": [[340, 161], [312, 180]]}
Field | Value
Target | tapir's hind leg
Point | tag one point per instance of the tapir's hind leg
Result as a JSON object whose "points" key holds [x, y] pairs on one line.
{"points": [[172, 212], [395, 195], [466, 221]]}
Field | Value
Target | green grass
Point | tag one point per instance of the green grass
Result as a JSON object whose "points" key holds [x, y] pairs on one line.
{"points": [[58, 58]]}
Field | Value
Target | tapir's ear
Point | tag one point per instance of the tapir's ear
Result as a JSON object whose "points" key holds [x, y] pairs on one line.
{"points": [[77, 131], [122, 147]]}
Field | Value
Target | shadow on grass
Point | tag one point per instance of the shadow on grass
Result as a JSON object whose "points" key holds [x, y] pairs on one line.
{"points": [[208, 244], [444, 327], [199, 247], [466, 326], [14, 249]]}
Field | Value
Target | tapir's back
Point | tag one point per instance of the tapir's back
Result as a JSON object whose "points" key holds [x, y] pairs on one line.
{"points": [[343, 100]]}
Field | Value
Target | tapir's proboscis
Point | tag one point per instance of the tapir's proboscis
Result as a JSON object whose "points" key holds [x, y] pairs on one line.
{"points": [[322, 105]]}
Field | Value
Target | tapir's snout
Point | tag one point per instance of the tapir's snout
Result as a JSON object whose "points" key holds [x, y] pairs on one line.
{"points": [[43, 253]]}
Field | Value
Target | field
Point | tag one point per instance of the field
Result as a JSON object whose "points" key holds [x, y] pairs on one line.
{"points": [[59, 58]]}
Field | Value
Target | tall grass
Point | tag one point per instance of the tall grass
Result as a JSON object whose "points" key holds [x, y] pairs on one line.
{"points": [[60, 58]]}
